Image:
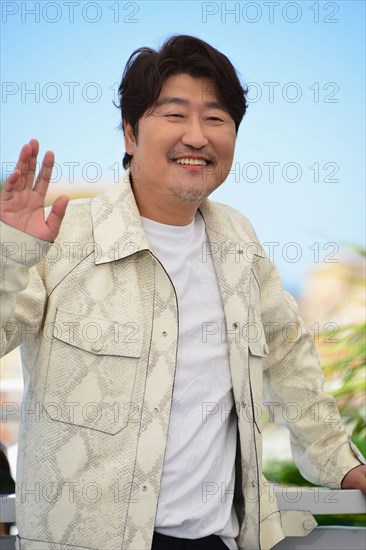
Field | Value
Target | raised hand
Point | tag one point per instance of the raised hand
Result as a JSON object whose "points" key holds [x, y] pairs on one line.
{"points": [[22, 203]]}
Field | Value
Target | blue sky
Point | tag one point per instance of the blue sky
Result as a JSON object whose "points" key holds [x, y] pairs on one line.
{"points": [[299, 163]]}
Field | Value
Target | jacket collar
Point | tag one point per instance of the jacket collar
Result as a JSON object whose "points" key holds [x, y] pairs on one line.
{"points": [[119, 232], [117, 226]]}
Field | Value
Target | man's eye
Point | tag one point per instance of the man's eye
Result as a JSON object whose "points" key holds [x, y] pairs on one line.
{"points": [[215, 118], [176, 115]]}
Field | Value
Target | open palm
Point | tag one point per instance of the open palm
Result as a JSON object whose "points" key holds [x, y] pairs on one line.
{"points": [[22, 200]]}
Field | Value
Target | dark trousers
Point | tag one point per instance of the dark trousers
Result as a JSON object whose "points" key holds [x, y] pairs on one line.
{"points": [[163, 542]]}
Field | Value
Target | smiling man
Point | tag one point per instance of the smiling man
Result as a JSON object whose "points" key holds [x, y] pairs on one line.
{"points": [[184, 149], [153, 329]]}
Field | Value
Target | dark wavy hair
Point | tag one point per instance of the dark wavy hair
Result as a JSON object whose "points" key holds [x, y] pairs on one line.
{"points": [[147, 69]]}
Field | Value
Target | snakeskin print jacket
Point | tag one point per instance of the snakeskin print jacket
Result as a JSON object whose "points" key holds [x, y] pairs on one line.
{"points": [[96, 316]]}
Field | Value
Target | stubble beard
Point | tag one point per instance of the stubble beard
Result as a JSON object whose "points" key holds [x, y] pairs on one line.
{"points": [[192, 194]]}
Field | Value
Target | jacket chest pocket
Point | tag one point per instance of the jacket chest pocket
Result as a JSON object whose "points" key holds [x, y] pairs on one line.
{"points": [[92, 371]]}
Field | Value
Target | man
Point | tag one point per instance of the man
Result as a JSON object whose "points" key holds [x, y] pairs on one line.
{"points": [[148, 328]]}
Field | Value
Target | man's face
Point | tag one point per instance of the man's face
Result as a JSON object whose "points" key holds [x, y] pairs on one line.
{"points": [[185, 144]]}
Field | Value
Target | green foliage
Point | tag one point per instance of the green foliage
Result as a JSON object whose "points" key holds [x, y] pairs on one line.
{"points": [[348, 365], [354, 520], [284, 472], [360, 442]]}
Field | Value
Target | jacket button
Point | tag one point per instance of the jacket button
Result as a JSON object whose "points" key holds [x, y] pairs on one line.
{"points": [[165, 333], [97, 346], [156, 409], [235, 325], [308, 524], [144, 487]]}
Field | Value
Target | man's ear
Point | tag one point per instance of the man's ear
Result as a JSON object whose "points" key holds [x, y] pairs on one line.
{"points": [[130, 140]]}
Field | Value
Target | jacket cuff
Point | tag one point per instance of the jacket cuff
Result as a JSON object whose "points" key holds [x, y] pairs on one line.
{"points": [[345, 458]]}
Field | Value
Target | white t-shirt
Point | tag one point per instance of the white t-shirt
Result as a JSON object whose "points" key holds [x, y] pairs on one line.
{"points": [[197, 485]]}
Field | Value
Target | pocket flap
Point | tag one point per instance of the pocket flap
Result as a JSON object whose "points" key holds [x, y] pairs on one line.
{"points": [[97, 335], [259, 347]]}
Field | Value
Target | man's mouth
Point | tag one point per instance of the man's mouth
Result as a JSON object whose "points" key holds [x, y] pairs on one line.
{"points": [[191, 161]]}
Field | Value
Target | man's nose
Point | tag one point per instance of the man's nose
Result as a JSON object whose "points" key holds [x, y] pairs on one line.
{"points": [[194, 133]]}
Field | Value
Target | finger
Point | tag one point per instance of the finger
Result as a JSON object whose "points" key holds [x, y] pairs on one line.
{"points": [[31, 169], [56, 215], [9, 185], [24, 155], [44, 176], [22, 165]]}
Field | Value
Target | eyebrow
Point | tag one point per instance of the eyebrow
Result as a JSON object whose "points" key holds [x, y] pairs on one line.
{"points": [[180, 101]]}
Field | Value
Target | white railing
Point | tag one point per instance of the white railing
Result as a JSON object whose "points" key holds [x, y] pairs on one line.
{"points": [[324, 501], [318, 500], [315, 500]]}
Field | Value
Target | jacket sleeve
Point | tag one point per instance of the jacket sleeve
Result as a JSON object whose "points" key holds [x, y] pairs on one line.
{"points": [[293, 389], [22, 292]]}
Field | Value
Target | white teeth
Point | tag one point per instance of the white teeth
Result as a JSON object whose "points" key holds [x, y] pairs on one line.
{"points": [[201, 162]]}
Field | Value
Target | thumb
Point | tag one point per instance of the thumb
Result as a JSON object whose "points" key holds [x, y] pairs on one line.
{"points": [[57, 214]]}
